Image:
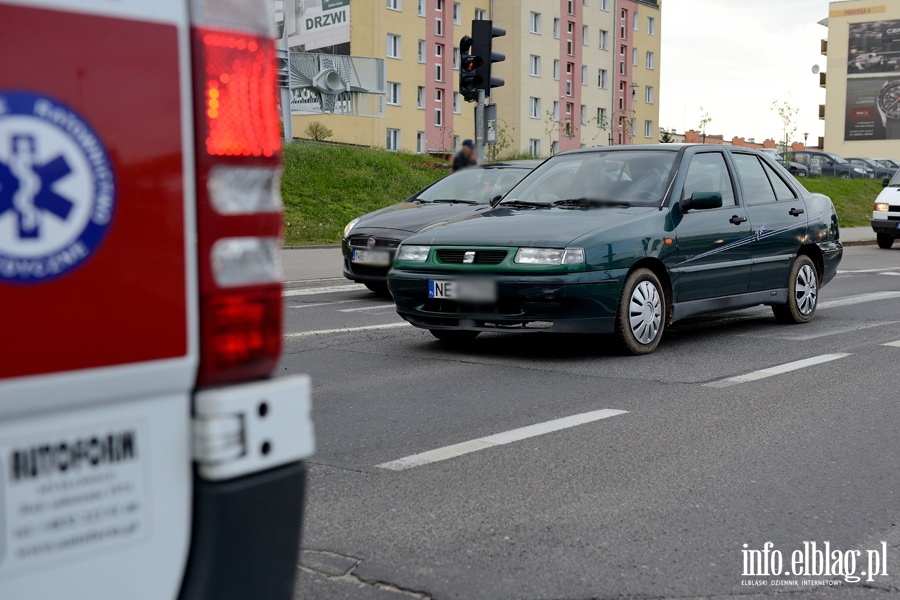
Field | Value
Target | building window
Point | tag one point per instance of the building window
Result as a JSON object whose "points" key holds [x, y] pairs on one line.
{"points": [[439, 27], [439, 5], [457, 13], [583, 114], [602, 78], [393, 46], [570, 27], [395, 4], [556, 70], [648, 94], [621, 103], [569, 68], [535, 23], [570, 7], [601, 117], [584, 35], [623, 35], [439, 95], [584, 72], [534, 66], [420, 97], [457, 103], [534, 108], [604, 5], [651, 60], [439, 50], [439, 117], [554, 147], [534, 147], [556, 28], [570, 50], [438, 72], [648, 129], [556, 110], [421, 9], [634, 56], [393, 139], [622, 67], [622, 86], [624, 14], [568, 88], [651, 25], [420, 142], [455, 143], [393, 93], [636, 21], [421, 51], [604, 40], [456, 59], [480, 14], [568, 108]]}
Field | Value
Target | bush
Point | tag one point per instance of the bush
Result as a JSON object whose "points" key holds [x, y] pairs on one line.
{"points": [[318, 132]]}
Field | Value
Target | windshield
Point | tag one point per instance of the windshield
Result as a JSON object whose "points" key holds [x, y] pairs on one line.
{"points": [[839, 160], [886, 162], [895, 181], [474, 185], [635, 178]]}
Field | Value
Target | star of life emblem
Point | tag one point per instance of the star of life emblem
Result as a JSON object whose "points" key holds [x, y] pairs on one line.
{"points": [[57, 189]]}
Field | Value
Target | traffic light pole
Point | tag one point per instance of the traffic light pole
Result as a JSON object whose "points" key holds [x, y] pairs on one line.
{"points": [[479, 128]]}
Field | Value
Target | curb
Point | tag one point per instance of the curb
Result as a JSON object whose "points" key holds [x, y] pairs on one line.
{"points": [[860, 243]]}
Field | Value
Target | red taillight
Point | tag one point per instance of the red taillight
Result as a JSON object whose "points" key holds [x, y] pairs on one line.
{"points": [[238, 150]]}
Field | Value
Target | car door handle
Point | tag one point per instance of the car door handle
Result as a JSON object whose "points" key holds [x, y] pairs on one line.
{"points": [[796, 212], [737, 220]]}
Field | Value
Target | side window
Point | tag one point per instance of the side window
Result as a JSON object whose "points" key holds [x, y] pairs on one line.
{"points": [[757, 189], [801, 158], [782, 190], [709, 173]]}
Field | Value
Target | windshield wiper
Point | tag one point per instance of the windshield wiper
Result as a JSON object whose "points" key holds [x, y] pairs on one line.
{"points": [[589, 202], [524, 204], [453, 201]]}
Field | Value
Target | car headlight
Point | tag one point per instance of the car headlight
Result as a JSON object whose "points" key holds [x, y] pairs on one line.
{"points": [[550, 256], [350, 226], [413, 253], [859, 170], [882, 207]]}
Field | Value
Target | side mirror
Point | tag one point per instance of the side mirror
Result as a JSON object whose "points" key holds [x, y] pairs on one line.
{"points": [[885, 182], [496, 200], [702, 201]]}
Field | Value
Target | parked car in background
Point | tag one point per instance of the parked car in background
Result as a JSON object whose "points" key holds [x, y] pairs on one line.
{"points": [[624, 240], [370, 241], [887, 162], [877, 171], [796, 169], [829, 164], [886, 213]]}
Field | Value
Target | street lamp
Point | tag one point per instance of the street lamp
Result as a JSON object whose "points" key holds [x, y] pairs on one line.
{"points": [[805, 137]]}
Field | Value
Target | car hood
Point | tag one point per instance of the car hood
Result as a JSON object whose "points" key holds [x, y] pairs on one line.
{"points": [[538, 227], [413, 216]]}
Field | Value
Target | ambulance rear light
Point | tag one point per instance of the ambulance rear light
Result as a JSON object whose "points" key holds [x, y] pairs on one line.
{"points": [[243, 190], [239, 262]]}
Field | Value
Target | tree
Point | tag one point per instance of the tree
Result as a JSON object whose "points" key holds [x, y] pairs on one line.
{"points": [[705, 120], [665, 137], [318, 131], [787, 113]]}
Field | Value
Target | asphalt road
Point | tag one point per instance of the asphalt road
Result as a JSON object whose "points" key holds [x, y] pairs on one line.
{"points": [[669, 464]]}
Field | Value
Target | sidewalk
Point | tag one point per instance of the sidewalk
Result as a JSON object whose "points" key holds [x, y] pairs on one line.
{"points": [[304, 264]]}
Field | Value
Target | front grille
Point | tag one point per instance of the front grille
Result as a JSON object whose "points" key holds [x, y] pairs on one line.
{"points": [[482, 257], [894, 208], [362, 241]]}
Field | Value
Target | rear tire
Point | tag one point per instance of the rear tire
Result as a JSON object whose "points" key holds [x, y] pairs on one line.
{"points": [[642, 316], [803, 294], [454, 336], [885, 240], [379, 288]]}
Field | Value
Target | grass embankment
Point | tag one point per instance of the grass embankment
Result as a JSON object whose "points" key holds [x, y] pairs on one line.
{"points": [[853, 198], [324, 187]]}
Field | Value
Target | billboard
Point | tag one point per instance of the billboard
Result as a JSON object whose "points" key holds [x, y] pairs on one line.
{"points": [[319, 25], [873, 82]]}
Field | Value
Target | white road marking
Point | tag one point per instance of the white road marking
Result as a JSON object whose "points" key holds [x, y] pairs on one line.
{"points": [[344, 330], [890, 273], [893, 344], [328, 289], [498, 439], [851, 300], [777, 370], [829, 330], [855, 271], [373, 307], [325, 303]]}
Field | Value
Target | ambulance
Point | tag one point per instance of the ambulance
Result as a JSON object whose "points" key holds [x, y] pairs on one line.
{"points": [[147, 451]]}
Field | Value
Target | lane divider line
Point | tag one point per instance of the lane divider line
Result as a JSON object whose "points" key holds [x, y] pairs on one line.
{"points": [[893, 344], [328, 289], [777, 370], [325, 303], [498, 439], [851, 300], [372, 307], [301, 334]]}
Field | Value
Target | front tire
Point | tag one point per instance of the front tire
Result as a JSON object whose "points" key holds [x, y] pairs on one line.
{"points": [[379, 288], [803, 294], [885, 240], [454, 336], [642, 314]]}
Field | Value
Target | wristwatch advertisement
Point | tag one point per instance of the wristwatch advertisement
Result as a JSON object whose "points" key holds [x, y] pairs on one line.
{"points": [[888, 104]]}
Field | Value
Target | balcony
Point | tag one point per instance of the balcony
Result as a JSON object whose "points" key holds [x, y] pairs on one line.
{"points": [[821, 111], [822, 79], [824, 48]]}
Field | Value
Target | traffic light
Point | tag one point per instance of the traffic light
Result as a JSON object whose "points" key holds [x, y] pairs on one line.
{"points": [[469, 79], [484, 33]]}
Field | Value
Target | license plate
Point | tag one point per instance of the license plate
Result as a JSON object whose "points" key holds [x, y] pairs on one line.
{"points": [[376, 258], [482, 290]]}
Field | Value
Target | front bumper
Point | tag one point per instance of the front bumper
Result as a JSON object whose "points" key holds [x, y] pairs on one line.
{"points": [[886, 227], [584, 302], [385, 240]]}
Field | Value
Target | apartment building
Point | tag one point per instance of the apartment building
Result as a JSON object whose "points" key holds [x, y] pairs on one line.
{"points": [[563, 72], [861, 112]]}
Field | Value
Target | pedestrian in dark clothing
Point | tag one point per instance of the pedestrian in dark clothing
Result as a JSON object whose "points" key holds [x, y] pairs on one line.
{"points": [[465, 157]]}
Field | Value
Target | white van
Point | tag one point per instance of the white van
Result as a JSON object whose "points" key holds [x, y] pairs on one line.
{"points": [[886, 213]]}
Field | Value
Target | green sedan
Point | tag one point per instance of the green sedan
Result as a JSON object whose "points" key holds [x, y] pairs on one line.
{"points": [[624, 240]]}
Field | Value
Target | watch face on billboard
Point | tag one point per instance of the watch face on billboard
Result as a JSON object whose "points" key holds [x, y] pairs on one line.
{"points": [[873, 81]]}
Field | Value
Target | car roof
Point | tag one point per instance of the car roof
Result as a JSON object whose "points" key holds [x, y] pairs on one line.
{"points": [[519, 164]]}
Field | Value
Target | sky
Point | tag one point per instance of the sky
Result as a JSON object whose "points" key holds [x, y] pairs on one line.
{"points": [[734, 59]]}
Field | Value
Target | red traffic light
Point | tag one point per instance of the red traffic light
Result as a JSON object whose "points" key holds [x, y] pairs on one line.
{"points": [[470, 63]]}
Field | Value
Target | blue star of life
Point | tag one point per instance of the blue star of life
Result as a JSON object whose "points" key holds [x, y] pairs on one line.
{"points": [[57, 189]]}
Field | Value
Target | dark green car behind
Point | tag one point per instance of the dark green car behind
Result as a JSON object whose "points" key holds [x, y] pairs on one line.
{"points": [[624, 240]]}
